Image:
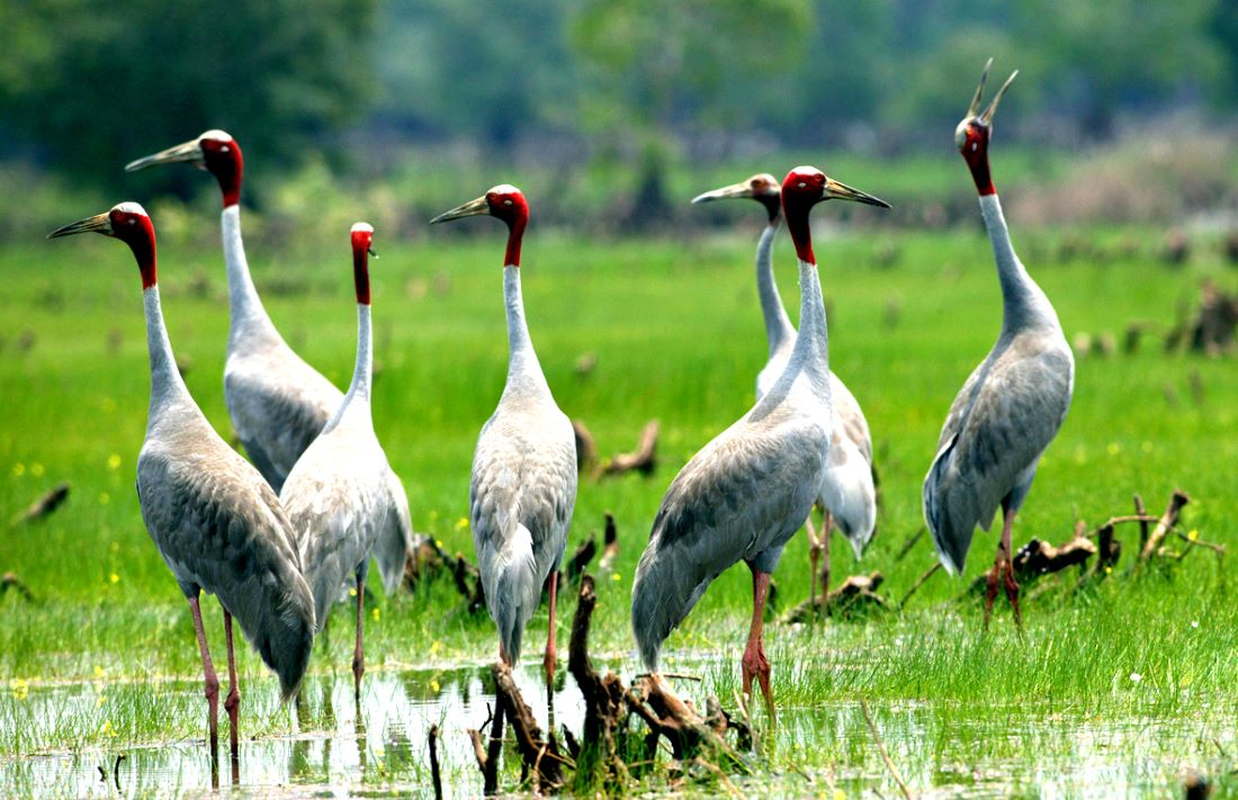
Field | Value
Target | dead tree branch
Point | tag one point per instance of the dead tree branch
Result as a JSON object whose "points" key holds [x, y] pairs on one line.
{"points": [[643, 459]]}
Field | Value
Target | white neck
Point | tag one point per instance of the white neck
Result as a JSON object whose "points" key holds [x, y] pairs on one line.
{"points": [[363, 371], [166, 383], [1024, 305], [247, 316], [523, 370], [778, 326], [811, 353]]}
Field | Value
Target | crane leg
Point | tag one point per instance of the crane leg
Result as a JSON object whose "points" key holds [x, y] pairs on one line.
{"points": [[827, 530], [1003, 568], [209, 677], [814, 557], [358, 655], [1011, 585], [549, 661], [754, 661], [232, 703]]}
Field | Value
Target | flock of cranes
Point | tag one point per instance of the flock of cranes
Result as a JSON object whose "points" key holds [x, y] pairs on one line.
{"points": [[276, 541]]}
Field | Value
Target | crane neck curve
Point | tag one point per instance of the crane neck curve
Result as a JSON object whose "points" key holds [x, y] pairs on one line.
{"points": [[247, 316], [166, 384], [524, 373], [811, 353], [778, 327], [1024, 304], [358, 396]]}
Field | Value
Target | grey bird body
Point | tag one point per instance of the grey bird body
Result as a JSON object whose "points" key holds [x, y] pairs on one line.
{"points": [[746, 493], [847, 492], [218, 525], [1007, 413], [523, 486], [277, 402]]}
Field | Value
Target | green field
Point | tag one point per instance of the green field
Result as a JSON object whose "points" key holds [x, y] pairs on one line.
{"points": [[1116, 688]]}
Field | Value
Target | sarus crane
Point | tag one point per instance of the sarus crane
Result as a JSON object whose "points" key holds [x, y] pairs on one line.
{"points": [[342, 496], [1013, 404], [217, 523], [523, 486], [848, 493], [746, 492], [277, 402]]}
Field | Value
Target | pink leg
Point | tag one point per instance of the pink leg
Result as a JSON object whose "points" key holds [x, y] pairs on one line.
{"points": [[358, 656], [814, 557], [827, 525], [754, 661], [232, 703], [549, 661], [208, 674], [1002, 567]]}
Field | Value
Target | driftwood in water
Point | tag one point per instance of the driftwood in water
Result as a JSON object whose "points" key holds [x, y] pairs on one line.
{"points": [[854, 594], [45, 505], [644, 459], [540, 755], [436, 777], [427, 560], [606, 707], [601, 751]]}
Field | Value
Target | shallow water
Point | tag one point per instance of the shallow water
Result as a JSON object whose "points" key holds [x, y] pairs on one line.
{"points": [[940, 751]]}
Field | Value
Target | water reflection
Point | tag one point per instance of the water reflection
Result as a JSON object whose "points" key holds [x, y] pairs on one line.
{"points": [[941, 749]]}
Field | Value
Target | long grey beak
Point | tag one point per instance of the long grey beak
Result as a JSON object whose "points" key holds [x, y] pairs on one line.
{"points": [[841, 191], [99, 223], [731, 192], [188, 151], [472, 208], [987, 117], [974, 108]]}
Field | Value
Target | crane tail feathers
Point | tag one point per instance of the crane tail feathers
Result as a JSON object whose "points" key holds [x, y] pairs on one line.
{"points": [[277, 618], [516, 588], [951, 528], [666, 588]]}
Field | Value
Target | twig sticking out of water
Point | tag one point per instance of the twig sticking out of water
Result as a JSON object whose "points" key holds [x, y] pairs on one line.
{"points": [[881, 748], [435, 775]]}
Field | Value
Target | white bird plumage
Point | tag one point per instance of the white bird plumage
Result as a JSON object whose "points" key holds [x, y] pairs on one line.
{"points": [[745, 493], [216, 522], [342, 496], [277, 402], [523, 485]]}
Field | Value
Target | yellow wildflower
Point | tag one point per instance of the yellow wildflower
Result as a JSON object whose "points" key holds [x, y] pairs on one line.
{"points": [[19, 469], [36, 469], [21, 689], [114, 578], [462, 523], [1193, 535], [113, 461]]}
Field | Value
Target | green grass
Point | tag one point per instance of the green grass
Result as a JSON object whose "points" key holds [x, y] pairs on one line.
{"points": [[676, 331]]}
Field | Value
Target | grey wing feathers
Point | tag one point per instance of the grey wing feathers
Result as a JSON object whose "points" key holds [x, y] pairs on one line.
{"points": [[1006, 415], [740, 497], [278, 406], [221, 528], [396, 538], [521, 496]]}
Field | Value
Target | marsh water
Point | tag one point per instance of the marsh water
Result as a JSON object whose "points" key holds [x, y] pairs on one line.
{"points": [[940, 751]]}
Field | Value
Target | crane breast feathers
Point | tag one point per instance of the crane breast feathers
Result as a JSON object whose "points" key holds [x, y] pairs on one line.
{"points": [[1017, 410], [741, 493]]}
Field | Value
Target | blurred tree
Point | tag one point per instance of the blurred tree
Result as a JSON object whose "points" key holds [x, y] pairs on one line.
{"points": [[656, 66], [88, 86], [492, 72], [1092, 59]]}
